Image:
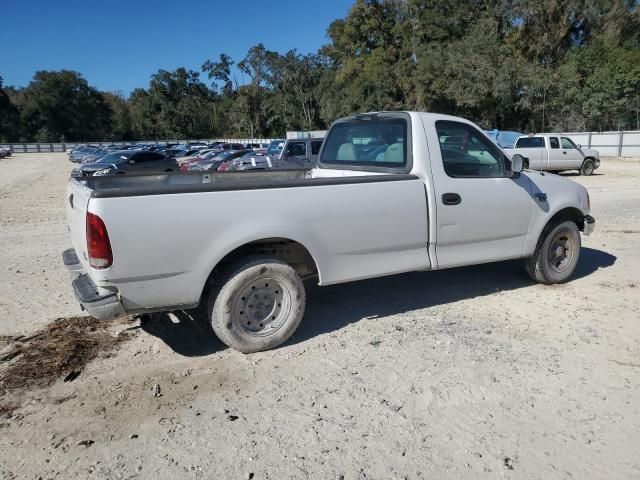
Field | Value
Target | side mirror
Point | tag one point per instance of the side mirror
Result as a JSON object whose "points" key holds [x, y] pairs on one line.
{"points": [[519, 163]]}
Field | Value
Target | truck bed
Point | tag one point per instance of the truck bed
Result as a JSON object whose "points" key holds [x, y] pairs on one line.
{"points": [[168, 231]]}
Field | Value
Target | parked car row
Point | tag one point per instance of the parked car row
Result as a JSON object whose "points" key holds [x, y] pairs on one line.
{"points": [[292, 153], [119, 163], [90, 153], [5, 152]]}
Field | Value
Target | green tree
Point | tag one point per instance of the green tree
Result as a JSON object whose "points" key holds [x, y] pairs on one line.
{"points": [[9, 117], [121, 128], [62, 106]]}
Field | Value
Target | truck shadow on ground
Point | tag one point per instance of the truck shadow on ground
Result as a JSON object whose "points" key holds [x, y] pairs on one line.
{"points": [[578, 174], [189, 333]]}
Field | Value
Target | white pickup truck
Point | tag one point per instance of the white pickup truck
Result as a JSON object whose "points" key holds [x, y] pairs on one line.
{"points": [[392, 192], [555, 153]]}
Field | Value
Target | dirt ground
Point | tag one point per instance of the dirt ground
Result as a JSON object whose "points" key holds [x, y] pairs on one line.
{"points": [[468, 373]]}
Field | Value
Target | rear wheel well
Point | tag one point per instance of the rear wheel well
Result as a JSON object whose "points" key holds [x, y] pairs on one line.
{"points": [[284, 249]]}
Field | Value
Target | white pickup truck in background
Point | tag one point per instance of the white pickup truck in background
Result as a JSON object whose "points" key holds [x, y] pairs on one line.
{"points": [[555, 153], [392, 192]]}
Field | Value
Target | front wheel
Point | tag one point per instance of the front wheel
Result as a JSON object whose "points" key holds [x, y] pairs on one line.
{"points": [[258, 304], [588, 168], [556, 255]]}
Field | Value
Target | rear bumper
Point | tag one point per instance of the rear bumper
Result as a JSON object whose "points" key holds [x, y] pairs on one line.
{"points": [[589, 225], [101, 305]]}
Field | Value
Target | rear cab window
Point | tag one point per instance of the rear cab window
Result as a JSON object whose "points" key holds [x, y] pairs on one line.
{"points": [[375, 142]]}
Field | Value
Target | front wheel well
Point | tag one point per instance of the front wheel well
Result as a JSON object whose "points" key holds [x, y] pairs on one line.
{"points": [[571, 214], [284, 249]]}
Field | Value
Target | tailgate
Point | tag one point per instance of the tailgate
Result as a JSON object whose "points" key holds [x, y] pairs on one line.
{"points": [[77, 201]]}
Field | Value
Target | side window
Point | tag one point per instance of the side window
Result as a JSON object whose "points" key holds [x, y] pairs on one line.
{"points": [[553, 141], [530, 142], [315, 147], [567, 143], [466, 153], [295, 149], [143, 157]]}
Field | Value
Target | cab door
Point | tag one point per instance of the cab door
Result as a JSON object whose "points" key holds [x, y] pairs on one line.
{"points": [[482, 211], [556, 156], [572, 155]]}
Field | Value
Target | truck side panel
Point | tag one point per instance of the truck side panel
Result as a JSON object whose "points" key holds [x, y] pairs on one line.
{"points": [[165, 246]]}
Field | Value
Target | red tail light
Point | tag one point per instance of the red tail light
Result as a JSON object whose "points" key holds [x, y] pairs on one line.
{"points": [[98, 245]]}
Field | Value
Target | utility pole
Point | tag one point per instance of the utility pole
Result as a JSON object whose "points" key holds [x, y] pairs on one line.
{"points": [[544, 100]]}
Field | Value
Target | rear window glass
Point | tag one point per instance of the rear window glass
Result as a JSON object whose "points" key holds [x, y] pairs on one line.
{"points": [[530, 142], [379, 142]]}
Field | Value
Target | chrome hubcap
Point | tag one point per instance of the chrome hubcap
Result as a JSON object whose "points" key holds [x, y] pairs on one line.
{"points": [[262, 307], [561, 252]]}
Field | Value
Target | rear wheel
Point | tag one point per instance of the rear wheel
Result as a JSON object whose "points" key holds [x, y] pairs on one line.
{"points": [[258, 304], [556, 255], [587, 168]]}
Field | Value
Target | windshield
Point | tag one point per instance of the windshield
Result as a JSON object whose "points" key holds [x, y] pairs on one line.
{"points": [[275, 147], [115, 157]]}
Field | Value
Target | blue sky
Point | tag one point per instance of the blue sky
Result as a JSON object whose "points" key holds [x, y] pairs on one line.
{"points": [[118, 44]]}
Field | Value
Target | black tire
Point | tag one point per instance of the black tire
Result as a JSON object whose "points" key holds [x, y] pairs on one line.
{"points": [[556, 254], [257, 304], [588, 167]]}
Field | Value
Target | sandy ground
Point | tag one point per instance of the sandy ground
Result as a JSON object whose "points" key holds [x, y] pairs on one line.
{"points": [[467, 373]]}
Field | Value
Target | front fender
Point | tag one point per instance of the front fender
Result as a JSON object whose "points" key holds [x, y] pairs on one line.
{"points": [[558, 194]]}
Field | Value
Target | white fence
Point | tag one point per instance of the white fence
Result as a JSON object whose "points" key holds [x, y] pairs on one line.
{"points": [[609, 144]]}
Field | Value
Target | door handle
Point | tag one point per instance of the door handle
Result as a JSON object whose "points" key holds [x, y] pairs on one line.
{"points": [[451, 198], [564, 153]]}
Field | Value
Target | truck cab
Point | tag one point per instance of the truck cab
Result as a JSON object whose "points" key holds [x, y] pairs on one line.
{"points": [[302, 153], [556, 153]]}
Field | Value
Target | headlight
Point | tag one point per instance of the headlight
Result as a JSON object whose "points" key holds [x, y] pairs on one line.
{"points": [[104, 171]]}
